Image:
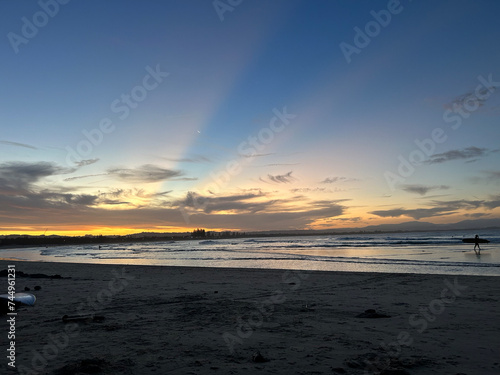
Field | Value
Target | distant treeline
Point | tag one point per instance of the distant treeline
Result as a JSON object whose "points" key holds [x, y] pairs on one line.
{"points": [[25, 241], [50, 241]]}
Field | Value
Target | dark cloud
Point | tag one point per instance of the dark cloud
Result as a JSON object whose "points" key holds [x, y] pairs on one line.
{"points": [[350, 219], [40, 206], [279, 178], [477, 215], [416, 214], [440, 208], [146, 173], [423, 190], [113, 202], [18, 144], [23, 198], [264, 220], [80, 199], [493, 203], [255, 211], [20, 176], [234, 203], [468, 154]]}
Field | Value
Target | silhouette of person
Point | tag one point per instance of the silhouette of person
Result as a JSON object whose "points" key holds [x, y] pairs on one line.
{"points": [[476, 244]]}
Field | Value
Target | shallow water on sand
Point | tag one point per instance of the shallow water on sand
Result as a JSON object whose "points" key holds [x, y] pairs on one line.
{"points": [[422, 252]]}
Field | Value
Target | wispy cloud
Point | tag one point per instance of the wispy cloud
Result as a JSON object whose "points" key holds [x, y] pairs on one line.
{"points": [[460, 102], [422, 189], [84, 163], [85, 176], [469, 154], [439, 208], [337, 179], [193, 159], [125, 196], [9, 143], [279, 178], [145, 173], [416, 214], [280, 164], [255, 155], [309, 190], [492, 175]]}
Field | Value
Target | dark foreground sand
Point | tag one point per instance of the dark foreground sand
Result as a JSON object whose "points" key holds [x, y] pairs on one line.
{"points": [[160, 320]]}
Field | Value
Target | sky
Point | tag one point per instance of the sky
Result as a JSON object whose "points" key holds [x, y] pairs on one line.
{"points": [[129, 116]]}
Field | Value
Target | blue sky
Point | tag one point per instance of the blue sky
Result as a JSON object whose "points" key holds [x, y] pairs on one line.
{"points": [[172, 94]]}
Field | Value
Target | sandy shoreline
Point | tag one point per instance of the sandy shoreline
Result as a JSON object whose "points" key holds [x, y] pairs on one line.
{"points": [[186, 320]]}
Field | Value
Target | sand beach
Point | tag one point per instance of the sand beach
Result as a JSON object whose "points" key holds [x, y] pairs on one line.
{"points": [[189, 320]]}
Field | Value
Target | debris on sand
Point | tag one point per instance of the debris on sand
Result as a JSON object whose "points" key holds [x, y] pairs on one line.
{"points": [[259, 358]]}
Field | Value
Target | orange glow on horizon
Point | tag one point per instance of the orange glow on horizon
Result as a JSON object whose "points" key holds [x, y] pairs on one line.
{"points": [[105, 231]]}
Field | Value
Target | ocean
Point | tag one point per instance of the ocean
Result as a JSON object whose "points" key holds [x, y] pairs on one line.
{"points": [[411, 252]]}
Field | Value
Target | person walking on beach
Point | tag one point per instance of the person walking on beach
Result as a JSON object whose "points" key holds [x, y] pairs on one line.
{"points": [[476, 244]]}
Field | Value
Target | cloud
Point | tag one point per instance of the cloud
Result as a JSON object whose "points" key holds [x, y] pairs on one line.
{"points": [[469, 154], [83, 163], [422, 190], [417, 214], [235, 203], [26, 203], [140, 197], [493, 203], [280, 164], [338, 179], [79, 199], [146, 173], [309, 190], [440, 208], [469, 100], [278, 217], [194, 159], [19, 144], [493, 175], [20, 175], [255, 211], [280, 179], [255, 155], [477, 215], [85, 176]]}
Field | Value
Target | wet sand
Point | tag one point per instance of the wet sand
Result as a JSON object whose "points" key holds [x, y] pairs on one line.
{"points": [[186, 320]]}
